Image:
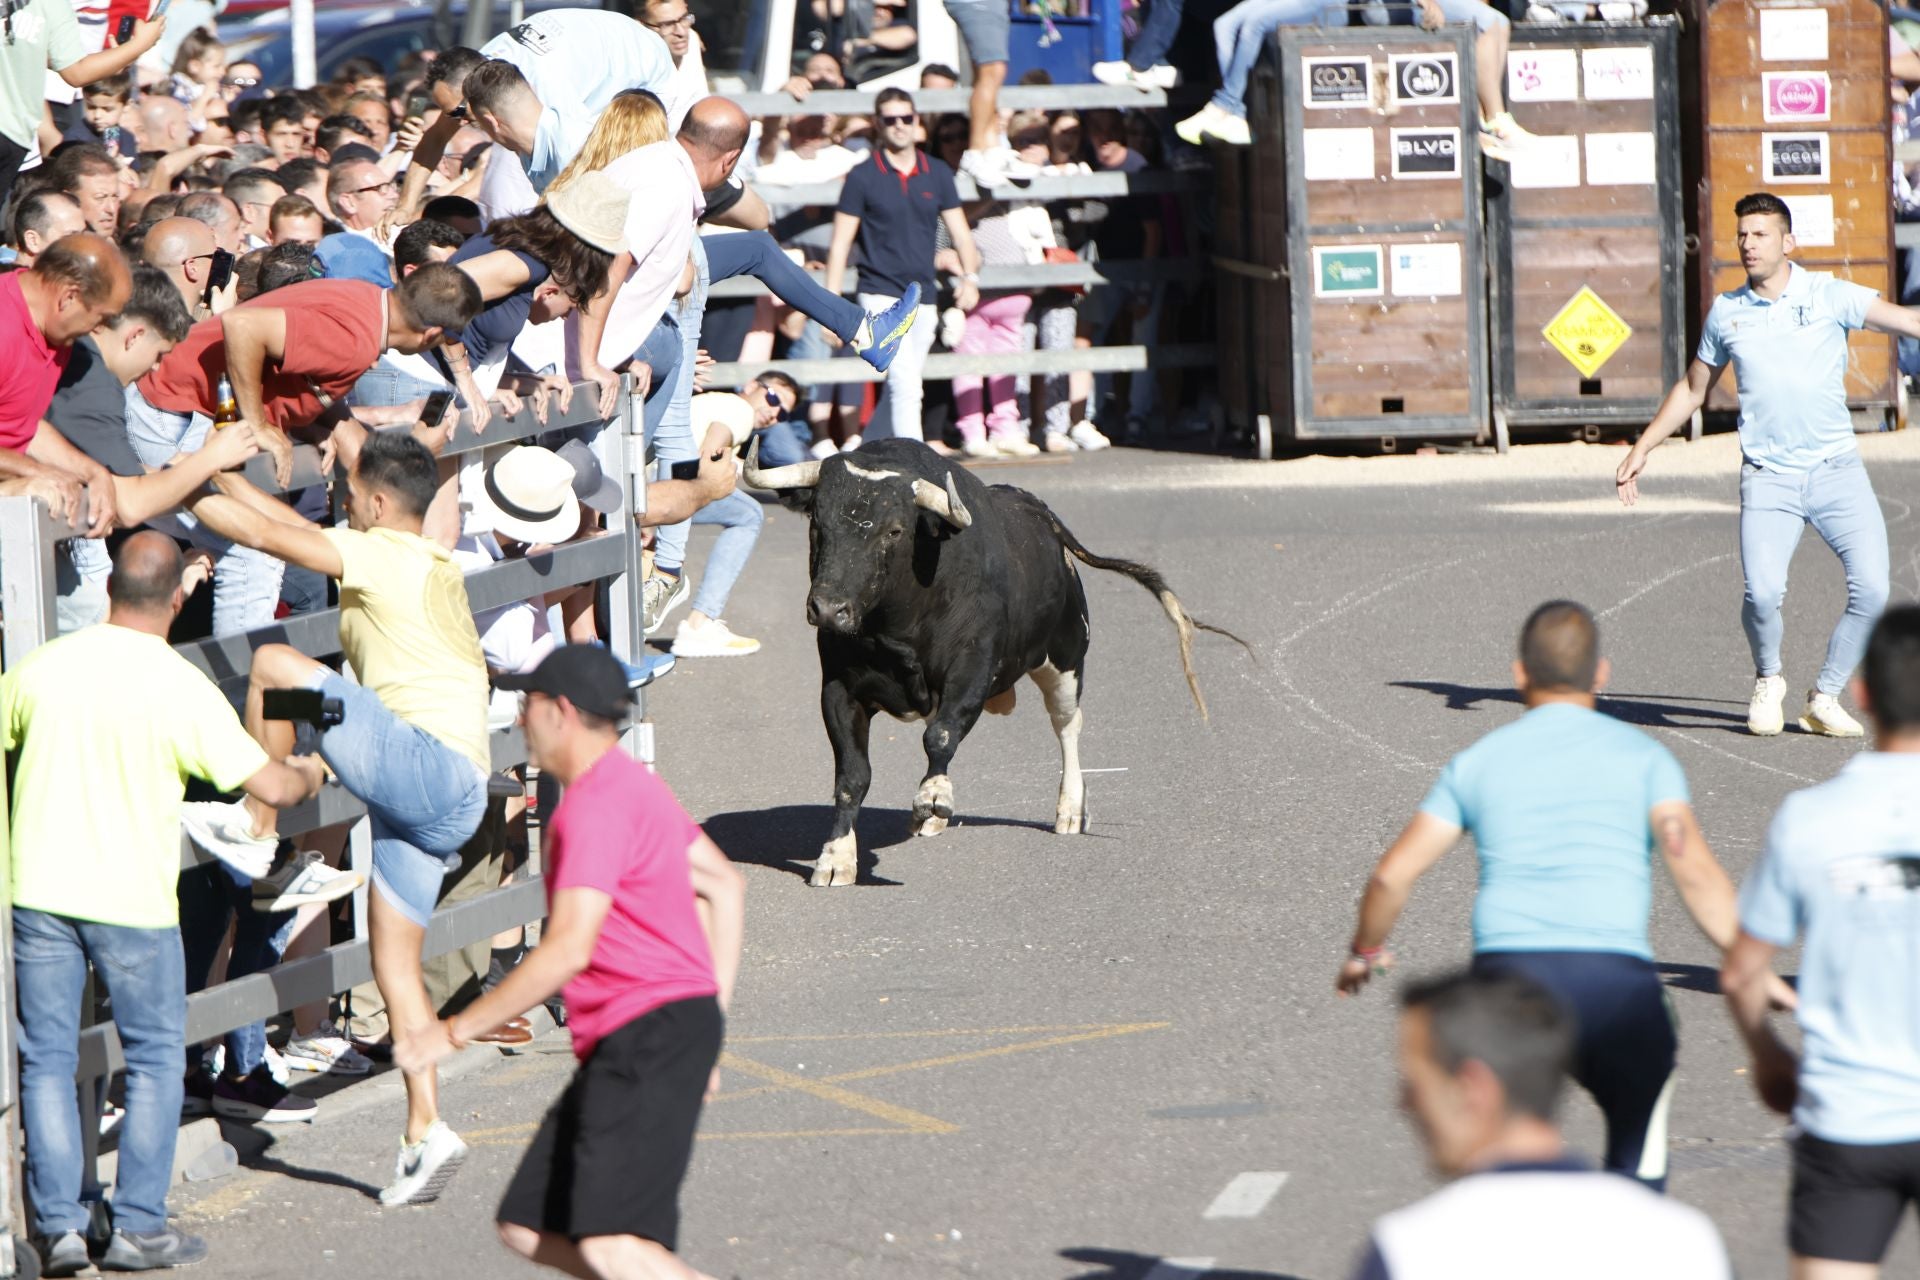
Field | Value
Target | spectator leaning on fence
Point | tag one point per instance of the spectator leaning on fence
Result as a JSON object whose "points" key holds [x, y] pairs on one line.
{"points": [[1483, 1063], [889, 206], [412, 745], [42, 35], [93, 875]]}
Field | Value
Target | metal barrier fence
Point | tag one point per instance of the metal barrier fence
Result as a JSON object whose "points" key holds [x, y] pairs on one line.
{"points": [[28, 533]]}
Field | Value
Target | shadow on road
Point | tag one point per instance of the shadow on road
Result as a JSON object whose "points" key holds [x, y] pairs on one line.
{"points": [[1700, 977], [1650, 711], [1118, 1264], [255, 1150], [788, 837]]}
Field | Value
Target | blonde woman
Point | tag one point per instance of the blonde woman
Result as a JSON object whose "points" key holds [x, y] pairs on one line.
{"points": [[633, 120]]}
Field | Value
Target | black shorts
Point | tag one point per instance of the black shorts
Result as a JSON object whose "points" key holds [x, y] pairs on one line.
{"points": [[1847, 1199], [610, 1155]]}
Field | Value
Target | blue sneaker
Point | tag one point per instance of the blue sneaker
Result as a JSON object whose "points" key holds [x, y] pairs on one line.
{"points": [[650, 667], [889, 327]]}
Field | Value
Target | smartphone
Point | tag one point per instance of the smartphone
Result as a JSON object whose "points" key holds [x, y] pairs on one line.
{"points": [[219, 274], [125, 31], [159, 10], [418, 105], [688, 470], [302, 706], [436, 408]]}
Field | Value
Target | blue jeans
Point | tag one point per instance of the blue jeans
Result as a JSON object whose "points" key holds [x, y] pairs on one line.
{"points": [[210, 896], [785, 443], [675, 442], [1156, 34], [757, 254], [145, 975], [1836, 498], [1241, 33], [383, 386], [425, 799], [661, 354], [741, 517]]}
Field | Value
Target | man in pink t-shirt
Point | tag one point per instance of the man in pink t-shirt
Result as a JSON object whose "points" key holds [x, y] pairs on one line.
{"points": [[647, 981]]}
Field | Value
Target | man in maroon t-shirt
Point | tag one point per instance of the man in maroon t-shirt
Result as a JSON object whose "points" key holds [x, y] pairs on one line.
{"points": [[78, 283], [647, 981]]}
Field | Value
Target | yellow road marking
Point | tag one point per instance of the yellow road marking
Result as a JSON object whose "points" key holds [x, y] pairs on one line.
{"points": [[921, 1035], [913, 1121]]}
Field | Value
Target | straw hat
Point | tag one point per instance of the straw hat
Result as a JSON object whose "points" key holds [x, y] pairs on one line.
{"points": [[528, 496], [595, 209]]}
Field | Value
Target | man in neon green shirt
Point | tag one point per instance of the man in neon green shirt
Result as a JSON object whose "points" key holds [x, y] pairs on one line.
{"points": [[95, 854]]}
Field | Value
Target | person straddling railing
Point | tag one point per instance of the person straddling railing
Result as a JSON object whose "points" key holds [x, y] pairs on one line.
{"points": [[412, 744], [94, 874]]}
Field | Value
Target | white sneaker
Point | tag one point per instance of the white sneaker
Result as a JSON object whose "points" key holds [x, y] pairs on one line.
{"points": [[986, 168], [1060, 442], [1824, 715], [851, 443], [1159, 76], [1193, 129], [226, 832], [1088, 436], [660, 595], [326, 1050], [423, 1170], [1764, 715], [302, 880], [1231, 129], [1015, 446], [978, 449], [823, 449], [711, 639]]}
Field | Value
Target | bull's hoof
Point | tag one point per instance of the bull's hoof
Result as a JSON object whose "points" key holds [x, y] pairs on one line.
{"points": [[1069, 822], [933, 806], [838, 863]]}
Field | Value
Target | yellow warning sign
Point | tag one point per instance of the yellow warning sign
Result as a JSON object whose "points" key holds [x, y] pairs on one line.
{"points": [[1587, 332]]}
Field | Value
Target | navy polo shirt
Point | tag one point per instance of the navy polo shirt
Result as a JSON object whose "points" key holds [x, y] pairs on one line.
{"points": [[898, 213]]}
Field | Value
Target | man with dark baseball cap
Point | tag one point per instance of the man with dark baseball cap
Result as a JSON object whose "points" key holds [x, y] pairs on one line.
{"points": [[647, 976]]}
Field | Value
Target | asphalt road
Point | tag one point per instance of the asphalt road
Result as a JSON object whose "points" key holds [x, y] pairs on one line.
{"points": [[1013, 1054]]}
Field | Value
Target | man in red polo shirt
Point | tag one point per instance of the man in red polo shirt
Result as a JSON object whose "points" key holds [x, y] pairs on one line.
{"points": [[291, 356], [79, 282]]}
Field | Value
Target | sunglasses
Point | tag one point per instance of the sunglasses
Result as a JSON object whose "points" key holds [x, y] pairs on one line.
{"points": [[909, 118], [239, 82]]}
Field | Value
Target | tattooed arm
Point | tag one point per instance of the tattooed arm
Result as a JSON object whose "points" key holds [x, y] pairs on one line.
{"points": [[1703, 884]]}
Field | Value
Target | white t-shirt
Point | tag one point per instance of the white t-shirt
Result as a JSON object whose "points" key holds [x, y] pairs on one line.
{"points": [[660, 225]]}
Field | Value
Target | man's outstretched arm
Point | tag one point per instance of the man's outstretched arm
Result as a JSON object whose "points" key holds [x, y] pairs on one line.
{"points": [[1685, 400]]}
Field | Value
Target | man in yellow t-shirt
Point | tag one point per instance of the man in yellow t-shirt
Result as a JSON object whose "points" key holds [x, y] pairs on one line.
{"points": [[94, 869], [412, 745]]}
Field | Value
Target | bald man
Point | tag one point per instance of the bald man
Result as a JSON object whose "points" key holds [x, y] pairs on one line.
{"points": [[183, 248], [161, 124], [221, 215]]}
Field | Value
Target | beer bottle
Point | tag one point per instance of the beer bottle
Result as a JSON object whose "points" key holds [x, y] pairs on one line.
{"points": [[226, 408]]}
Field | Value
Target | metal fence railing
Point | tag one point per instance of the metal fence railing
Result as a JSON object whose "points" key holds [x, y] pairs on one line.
{"points": [[28, 533]]}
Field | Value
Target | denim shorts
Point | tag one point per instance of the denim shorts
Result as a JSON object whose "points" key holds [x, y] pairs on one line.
{"points": [[984, 27], [425, 799]]}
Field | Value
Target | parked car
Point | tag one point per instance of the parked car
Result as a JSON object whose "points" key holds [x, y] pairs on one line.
{"points": [[384, 30]]}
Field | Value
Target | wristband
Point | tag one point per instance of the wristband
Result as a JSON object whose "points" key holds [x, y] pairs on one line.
{"points": [[1369, 954]]}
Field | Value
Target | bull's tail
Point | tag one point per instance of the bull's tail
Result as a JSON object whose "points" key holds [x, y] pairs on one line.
{"points": [[1147, 576]]}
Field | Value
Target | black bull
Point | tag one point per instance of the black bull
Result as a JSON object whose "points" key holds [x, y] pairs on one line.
{"points": [[932, 595]]}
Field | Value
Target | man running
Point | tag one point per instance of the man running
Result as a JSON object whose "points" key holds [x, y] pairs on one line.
{"points": [[1840, 869], [1785, 332], [644, 918], [1564, 805]]}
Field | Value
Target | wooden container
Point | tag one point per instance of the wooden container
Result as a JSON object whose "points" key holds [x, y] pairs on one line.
{"points": [[1585, 244]]}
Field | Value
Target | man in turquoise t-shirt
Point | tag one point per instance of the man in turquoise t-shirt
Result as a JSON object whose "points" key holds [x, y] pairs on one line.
{"points": [[1565, 805], [1785, 334]]}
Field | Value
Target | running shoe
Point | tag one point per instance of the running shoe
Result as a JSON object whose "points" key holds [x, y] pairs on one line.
{"points": [[1158, 76], [63, 1255], [1015, 446], [1764, 715], [711, 639], [1088, 437], [644, 672], [259, 1099], [880, 335], [1060, 442], [660, 595], [982, 448], [198, 1098], [1211, 122], [423, 1169], [225, 830], [152, 1250], [1824, 715], [327, 1050], [303, 878]]}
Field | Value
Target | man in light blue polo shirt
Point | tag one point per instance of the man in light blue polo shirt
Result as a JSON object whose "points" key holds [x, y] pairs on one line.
{"points": [[582, 58], [1841, 867], [1785, 333], [1565, 806]]}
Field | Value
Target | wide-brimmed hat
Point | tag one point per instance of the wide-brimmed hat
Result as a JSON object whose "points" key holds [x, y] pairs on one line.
{"points": [[528, 496], [593, 207]]}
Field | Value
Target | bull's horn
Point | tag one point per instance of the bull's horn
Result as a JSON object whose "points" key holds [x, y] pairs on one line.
{"points": [[944, 503], [800, 475]]}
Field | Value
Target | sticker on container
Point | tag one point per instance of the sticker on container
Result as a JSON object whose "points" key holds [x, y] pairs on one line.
{"points": [[1793, 35], [1812, 220], [1550, 160], [1794, 157], [1426, 153], [1620, 160], [1426, 270], [1587, 332], [1347, 271], [1425, 79], [1792, 96], [1337, 155], [1336, 82], [1618, 73], [1543, 75]]}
